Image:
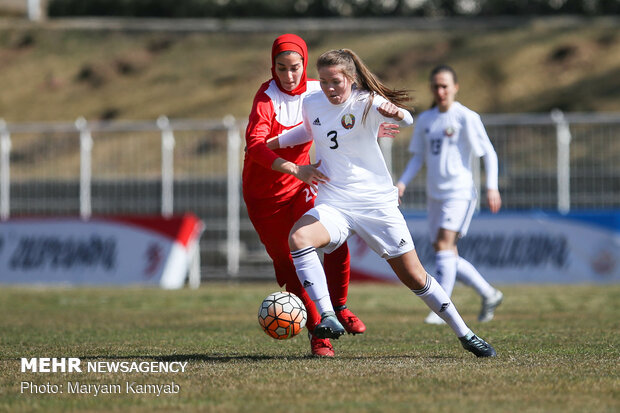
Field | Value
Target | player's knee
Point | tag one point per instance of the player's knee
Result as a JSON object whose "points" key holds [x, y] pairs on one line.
{"points": [[442, 245], [419, 279], [298, 239]]}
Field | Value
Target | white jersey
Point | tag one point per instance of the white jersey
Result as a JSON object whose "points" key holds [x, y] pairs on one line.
{"points": [[448, 140], [349, 152]]}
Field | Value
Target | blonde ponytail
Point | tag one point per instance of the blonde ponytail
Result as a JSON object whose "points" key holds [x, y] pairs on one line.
{"points": [[354, 68]]}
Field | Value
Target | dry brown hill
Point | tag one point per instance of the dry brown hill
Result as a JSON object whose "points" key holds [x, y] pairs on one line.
{"points": [[58, 75]]}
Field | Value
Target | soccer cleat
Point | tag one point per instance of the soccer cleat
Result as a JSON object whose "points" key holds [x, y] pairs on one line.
{"points": [[478, 346], [489, 305], [350, 321], [433, 318], [321, 347], [329, 327]]}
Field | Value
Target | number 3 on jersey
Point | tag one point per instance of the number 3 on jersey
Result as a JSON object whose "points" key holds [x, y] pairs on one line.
{"points": [[332, 135]]}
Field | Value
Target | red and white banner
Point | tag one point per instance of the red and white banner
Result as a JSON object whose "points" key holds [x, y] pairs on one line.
{"points": [[517, 248], [102, 250]]}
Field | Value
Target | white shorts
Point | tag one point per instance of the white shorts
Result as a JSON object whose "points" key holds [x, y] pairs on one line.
{"points": [[385, 231], [451, 214]]}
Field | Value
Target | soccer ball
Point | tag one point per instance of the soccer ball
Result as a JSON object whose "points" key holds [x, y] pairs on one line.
{"points": [[282, 315]]}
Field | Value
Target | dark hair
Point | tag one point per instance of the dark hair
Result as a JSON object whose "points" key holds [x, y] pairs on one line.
{"points": [[440, 69], [443, 68], [289, 52], [356, 71]]}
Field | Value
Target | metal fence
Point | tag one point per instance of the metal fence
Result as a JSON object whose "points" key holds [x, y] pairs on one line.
{"points": [[547, 161]]}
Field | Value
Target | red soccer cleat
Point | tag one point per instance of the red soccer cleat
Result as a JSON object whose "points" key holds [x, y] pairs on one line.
{"points": [[321, 347], [349, 321]]}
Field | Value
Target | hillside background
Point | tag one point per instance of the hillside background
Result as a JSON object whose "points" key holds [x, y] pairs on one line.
{"points": [[48, 73]]}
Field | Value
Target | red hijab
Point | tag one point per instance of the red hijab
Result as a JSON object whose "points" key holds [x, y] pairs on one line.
{"points": [[292, 43]]}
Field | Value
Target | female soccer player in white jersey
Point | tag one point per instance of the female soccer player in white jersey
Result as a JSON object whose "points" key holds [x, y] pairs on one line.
{"points": [[356, 193], [275, 200], [446, 137]]}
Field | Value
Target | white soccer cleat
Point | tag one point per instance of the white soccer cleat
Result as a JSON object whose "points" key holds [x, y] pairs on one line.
{"points": [[433, 318], [489, 304]]}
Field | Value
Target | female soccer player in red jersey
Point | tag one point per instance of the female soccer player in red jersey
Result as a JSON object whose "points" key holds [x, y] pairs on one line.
{"points": [[275, 200]]}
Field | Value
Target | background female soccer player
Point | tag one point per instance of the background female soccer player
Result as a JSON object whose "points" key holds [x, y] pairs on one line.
{"points": [[446, 137], [356, 193], [276, 200]]}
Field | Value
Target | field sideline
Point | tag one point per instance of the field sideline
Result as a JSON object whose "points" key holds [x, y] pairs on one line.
{"points": [[558, 351]]}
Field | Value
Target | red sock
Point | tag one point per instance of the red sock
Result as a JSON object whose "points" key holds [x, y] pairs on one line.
{"points": [[338, 272], [314, 317]]}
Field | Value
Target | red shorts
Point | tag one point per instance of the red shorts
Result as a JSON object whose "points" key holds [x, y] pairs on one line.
{"points": [[274, 230]]}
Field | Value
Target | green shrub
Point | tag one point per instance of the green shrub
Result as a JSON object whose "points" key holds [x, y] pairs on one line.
{"points": [[325, 8]]}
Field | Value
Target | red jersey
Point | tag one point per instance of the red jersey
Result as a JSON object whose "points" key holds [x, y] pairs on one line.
{"points": [[265, 191]]}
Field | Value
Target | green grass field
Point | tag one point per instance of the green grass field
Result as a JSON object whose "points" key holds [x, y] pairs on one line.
{"points": [[558, 351]]}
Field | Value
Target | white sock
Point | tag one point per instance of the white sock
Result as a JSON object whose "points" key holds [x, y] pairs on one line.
{"points": [[470, 276], [312, 276], [445, 262], [437, 300]]}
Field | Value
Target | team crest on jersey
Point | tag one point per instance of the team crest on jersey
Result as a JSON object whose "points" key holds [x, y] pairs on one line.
{"points": [[449, 131], [348, 121]]}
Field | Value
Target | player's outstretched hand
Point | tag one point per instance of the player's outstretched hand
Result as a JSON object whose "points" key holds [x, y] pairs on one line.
{"points": [[311, 175], [388, 130], [390, 110]]}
